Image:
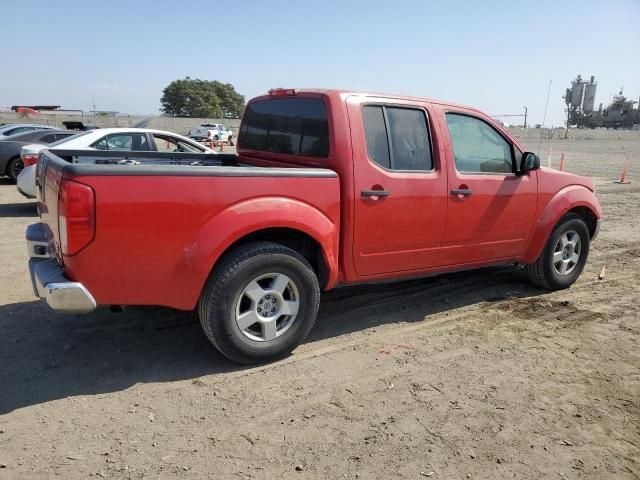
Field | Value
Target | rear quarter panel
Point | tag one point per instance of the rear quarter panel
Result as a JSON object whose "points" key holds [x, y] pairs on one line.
{"points": [[157, 237]]}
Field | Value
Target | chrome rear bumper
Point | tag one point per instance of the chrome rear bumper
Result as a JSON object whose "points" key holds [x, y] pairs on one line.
{"points": [[47, 276]]}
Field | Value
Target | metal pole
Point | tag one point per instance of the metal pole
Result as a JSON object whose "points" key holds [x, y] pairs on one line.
{"points": [[544, 119], [525, 117]]}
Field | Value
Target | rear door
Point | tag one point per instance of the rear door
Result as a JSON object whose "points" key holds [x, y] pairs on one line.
{"points": [[490, 209], [400, 187]]}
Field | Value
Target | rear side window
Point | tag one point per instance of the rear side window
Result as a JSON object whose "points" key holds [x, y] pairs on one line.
{"points": [[294, 126], [17, 130], [377, 137], [73, 135], [123, 142], [63, 136], [397, 137], [168, 143], [48, 138]]}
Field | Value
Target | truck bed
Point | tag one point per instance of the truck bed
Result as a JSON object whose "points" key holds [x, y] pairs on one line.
{"points": [[164, 217], [101, 163]]}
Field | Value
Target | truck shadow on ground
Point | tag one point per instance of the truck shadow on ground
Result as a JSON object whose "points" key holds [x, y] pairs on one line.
{"points": [[44, 356]]}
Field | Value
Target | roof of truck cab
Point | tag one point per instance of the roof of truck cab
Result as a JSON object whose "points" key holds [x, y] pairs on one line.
{"points": [[347, 93]]}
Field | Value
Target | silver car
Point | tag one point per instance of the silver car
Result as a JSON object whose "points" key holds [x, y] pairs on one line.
{"points": [[14, 128]]}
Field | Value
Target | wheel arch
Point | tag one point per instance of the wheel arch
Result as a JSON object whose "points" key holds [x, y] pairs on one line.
{"points": [[296, 240], [289, 222], [589, 217], [571, 199]]}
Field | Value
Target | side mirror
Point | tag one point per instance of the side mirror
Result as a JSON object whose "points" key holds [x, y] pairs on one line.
{"points": [[530, 161]]}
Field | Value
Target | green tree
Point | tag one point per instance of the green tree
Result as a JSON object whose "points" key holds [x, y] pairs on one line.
{"points": [[231, 102], [190, 97]]}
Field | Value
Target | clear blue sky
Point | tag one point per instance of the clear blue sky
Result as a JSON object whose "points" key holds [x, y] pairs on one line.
{"points": [[496, 55]]}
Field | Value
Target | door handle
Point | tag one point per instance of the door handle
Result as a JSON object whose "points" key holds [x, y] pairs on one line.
{"points": [[461, 191], [374, 193]]}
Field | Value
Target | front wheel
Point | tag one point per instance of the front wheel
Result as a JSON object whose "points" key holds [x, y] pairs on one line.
{"points": [[260, 302], [563, 256]]}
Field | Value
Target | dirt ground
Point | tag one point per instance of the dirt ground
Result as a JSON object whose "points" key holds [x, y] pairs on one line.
{"points": [[469, 375]]}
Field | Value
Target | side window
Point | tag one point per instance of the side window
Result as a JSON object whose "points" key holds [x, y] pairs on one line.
{"points": [[48, 138], [166, 143], [477, 147], [101, 144], [397, 137], [123, 142], [376, 133], [16, 130], [62, 136]]}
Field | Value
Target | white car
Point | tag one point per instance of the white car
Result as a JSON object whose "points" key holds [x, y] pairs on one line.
{"points": [[110, 139], [212, 131]]}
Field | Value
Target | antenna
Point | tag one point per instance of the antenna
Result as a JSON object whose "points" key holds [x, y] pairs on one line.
{"points": [[544, 119]]}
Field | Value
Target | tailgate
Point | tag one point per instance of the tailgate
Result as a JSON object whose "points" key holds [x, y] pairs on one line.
{"points": [[48, 177]]}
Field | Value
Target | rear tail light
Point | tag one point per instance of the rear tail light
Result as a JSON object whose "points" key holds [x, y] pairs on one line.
{"points": [[76, 216], [29, 159]]}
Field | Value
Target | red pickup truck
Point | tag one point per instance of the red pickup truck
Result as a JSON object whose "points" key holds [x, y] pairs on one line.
{"points": [[328, 188]]}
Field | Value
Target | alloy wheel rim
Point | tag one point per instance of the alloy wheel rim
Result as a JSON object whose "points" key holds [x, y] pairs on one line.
{"points": [[267, 307], [566, 253]]}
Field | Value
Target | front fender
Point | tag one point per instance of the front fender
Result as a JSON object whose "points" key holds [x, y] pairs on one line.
{"points": [[566, 199], [249, 216]]}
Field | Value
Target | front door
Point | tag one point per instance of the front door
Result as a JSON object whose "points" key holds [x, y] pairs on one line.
{"points": [[490, 209], [400, 188]]}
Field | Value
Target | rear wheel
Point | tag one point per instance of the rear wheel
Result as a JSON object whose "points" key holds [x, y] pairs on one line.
{"points": [[231, 140], [260, 302], [563, 256], [14, 168]]}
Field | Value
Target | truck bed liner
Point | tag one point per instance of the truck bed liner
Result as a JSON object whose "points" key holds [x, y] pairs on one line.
{"points": [[105, 163]]}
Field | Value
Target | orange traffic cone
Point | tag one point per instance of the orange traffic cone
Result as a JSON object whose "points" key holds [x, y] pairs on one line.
{"points": [[212, 145], [625, 168], [221, 146], [561, 162]]}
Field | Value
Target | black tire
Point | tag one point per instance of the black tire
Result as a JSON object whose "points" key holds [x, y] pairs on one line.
{"points": [[216, 138], [543, 272], [231, 141], [14, 167], [223, 291]]}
